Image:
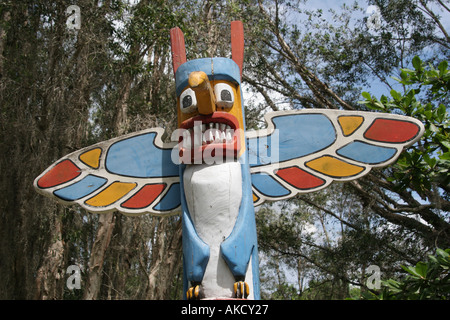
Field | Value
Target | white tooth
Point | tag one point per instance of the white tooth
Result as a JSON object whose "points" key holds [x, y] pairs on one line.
{"points": [[222, 127], [210, 125], [228, 127], [229, 138], [216, 125], [224, 136], [203, 138], [203, 127]]}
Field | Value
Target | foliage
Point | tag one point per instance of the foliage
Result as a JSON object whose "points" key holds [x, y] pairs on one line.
{"points": [[429, 280]]}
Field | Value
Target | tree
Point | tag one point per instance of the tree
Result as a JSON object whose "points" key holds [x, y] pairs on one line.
{"points": [[63, 89], [47, 76]]}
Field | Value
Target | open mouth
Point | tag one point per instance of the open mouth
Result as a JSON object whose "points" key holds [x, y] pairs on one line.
{"points": [[209, 137]]}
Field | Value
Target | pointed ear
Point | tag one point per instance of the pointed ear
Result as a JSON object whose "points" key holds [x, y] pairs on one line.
{"points": [[178, 48], [237, 43]]}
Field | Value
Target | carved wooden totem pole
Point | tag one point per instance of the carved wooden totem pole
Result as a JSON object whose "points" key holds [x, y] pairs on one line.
{"points": [[215, 173]]}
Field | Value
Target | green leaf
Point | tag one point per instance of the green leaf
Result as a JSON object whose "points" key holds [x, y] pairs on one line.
{"points": [[441, 112], [404, 75], [379, 105], [396, 95], [430, 161], [433, 128], [366, 95], [422, 269], [412, 270], [392, 284], [443, 67], [433, 259], [416, 62], [442, 253]]}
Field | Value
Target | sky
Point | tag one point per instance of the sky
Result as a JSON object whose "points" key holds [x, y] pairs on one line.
{"points": [[376, 87]]}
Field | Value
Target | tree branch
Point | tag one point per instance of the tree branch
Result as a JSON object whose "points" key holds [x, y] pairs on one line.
{"points": [[394, 218], [435, 18], [319, 89]]}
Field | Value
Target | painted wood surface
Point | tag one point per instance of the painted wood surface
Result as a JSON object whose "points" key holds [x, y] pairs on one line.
{"points": [[178, 48], [237, 43]]}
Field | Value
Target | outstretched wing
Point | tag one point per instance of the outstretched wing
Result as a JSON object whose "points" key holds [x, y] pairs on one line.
{"points": [[133, 174], [305, 150]]}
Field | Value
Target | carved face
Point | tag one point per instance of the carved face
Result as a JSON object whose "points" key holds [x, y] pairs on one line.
{"points": [[209, 101], [210, 113]]}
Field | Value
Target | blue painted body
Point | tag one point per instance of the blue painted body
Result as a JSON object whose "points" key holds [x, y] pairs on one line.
{"points": [[241, 244], [236, 250]]}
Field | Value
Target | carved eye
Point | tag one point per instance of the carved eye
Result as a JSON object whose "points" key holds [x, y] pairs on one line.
{"points": [[188, 101], [224, 95]]}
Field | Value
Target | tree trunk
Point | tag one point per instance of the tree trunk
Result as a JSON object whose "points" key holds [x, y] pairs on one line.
{"points": [[166, 260], [50, 275], [98, 253]]}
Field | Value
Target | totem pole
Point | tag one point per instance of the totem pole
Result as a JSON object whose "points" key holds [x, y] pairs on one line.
{"points": [[214, 172]]}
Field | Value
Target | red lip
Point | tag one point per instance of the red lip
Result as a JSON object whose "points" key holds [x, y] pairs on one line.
{"points": [[210, 137]]}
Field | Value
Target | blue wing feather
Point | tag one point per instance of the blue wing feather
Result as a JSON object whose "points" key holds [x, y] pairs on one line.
{"points": [[81, 188], [139, 157], [268, 186], [366, 152], [295, 136]]}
